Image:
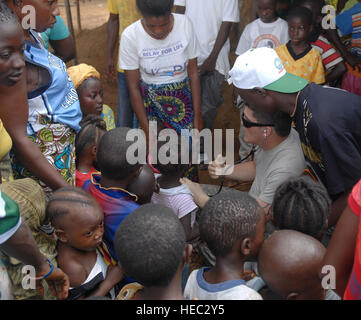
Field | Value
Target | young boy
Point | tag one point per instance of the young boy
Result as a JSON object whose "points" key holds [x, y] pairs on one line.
{"points": [[86, 143], [79, 225], [151, 246], [232, 225], [289, 262], [266, 31], [110, 186], [298, 56], [331, 59]]}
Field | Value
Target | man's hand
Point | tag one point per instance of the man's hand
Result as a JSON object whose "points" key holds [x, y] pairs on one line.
{"points": [[58, 283], [218, 168]]}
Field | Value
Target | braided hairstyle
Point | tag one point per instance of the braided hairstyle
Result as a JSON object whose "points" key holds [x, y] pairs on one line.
{"points": [[89, 133], [303, 205], [56, 210]]}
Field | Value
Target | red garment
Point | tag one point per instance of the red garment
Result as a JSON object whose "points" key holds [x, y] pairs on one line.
{"points": [[80, 177], [353, 290], [330, 57]]}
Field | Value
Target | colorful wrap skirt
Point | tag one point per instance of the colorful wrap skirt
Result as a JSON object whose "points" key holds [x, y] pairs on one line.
{"points": [[56, 143], [171, 106]]}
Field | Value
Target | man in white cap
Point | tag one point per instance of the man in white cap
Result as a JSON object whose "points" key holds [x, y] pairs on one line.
{"points": [[328, 120]]}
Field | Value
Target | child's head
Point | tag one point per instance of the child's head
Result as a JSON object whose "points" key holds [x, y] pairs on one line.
{"points": [[315, 6], [151, 245], [303, 205], [112, 155], [173, 158], [86, 80], [300, 25], [77, 218], [233, 221], [266, 10], [87, 139], [155, 8], [289, 262], [144, 185]]}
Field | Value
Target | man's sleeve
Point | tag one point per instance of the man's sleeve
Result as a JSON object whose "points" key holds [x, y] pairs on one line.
{"points": [[9, 217], [128, 56], [341, 159], [113, 7], [181, 3], [230, 11]]}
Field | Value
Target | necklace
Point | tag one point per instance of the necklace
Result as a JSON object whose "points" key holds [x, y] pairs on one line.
{"points": [[295, 108]]}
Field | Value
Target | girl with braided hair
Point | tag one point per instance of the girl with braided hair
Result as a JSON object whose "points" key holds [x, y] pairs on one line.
{"points": [[303, 205]]}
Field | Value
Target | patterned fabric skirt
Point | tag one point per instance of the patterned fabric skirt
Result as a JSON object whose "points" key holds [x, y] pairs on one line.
{"points": [[171, 106], [56, 143]]}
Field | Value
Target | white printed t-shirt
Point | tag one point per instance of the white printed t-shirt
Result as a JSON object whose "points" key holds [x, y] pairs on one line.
{"points": [[198, 288], [207, 17], [258, 34], [159, 61], [179, 199]]}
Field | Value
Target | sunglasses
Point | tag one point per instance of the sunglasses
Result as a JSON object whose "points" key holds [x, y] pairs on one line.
{"points": [[250, 124]]}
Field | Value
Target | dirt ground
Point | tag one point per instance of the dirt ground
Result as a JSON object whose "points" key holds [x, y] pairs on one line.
{"points": [[91, 49]]}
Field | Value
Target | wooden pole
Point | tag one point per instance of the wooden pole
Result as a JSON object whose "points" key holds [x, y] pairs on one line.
{"points": [[71, 27], [78, 14]]}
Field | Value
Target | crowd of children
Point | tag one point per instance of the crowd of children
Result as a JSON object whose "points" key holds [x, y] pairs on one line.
{"points": [[126, 230]]}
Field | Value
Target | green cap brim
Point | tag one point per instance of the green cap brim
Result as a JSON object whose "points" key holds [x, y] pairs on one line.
{"points": [[289, 83]]}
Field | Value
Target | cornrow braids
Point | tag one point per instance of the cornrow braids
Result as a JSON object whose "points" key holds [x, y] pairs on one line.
{"points": [[89, 132], [303, 205], [73, 195]]}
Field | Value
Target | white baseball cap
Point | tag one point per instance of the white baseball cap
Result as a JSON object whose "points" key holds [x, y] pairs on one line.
{"points": [[262, 68]]}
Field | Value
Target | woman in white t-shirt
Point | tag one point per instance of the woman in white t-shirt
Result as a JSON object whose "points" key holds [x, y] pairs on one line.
{"points": [[159, 52]]}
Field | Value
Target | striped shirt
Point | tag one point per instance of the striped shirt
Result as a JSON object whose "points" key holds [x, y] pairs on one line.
{"points": [[179, 199], [330, 57], [349, 22]]}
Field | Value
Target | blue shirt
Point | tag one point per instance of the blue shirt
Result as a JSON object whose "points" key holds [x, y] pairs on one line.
{"points": [[56, 101]]}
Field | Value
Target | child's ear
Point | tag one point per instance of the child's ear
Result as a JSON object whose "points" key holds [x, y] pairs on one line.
{"points": [[61, 235], [246, 246]]}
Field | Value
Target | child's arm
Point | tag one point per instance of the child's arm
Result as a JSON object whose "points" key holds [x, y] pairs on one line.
{"points": [[341, 250], [337, 72], [191, 233], [114, 275]]}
